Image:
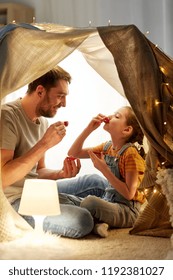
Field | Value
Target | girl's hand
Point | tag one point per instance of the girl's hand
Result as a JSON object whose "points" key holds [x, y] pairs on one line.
{"points": [[98, 161], [70, 168], [96, 122]]}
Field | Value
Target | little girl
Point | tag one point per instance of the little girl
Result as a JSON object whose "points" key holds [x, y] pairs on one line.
{"points": [[121, 164]]}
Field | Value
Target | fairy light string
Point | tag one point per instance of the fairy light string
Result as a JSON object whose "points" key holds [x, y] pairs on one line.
{"points": [[165, 102]]}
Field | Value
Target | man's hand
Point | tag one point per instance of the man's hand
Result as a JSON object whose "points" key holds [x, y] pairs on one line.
{"points": [[54, 134], [71, 167]]}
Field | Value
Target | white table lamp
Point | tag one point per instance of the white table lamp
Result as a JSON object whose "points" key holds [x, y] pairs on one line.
{"points": [[39, 199]]}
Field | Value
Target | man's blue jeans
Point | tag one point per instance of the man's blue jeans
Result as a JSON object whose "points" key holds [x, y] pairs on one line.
{"points": [[90, 184], [74, 221]]}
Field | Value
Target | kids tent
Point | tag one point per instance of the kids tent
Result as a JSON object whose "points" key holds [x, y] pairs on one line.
{"points": [[133, 66]]}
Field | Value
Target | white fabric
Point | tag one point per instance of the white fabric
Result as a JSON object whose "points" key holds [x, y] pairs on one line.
{"points": [[35, 47], [101, 60]]}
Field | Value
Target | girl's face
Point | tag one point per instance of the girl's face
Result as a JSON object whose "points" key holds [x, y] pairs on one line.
{"points": [[118, 122]]}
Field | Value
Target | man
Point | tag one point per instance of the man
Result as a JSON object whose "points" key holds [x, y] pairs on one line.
{"points": [[26, 137]]}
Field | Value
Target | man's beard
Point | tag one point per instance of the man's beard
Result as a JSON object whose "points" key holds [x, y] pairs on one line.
{"points": [[47, 113]]}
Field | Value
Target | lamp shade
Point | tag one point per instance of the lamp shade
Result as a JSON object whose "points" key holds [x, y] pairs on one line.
{"points": [[39, 197]]}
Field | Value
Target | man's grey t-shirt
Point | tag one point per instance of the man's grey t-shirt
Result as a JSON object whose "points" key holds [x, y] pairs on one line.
{"points": [[20, 134]]}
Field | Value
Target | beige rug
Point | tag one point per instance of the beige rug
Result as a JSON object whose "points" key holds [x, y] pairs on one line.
{"points": [[119, 245]]}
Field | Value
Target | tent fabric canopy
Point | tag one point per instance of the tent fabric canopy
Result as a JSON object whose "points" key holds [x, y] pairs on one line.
{"points": [[122, 55], [37, 51]]}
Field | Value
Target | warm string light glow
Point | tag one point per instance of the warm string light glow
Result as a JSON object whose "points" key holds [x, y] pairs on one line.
{"points": [[162, 69], [148, 191], [165, 161], [154, 190], [157, 103]]}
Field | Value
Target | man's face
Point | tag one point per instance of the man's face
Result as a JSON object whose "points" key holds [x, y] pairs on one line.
{"points": [[53, 99]]}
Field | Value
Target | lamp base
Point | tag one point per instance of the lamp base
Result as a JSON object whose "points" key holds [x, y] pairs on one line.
{"points": [[39, 222]]}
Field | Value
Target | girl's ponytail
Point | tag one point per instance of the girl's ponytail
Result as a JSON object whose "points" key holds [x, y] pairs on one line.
{"points": [[137, 135]]}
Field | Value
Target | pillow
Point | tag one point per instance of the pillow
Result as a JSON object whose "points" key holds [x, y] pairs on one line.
{"points": [[154, 220]]}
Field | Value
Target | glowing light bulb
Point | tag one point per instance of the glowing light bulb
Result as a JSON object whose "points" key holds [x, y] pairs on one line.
{"points": [[145, 191], [162, 69], [157, 102]]}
